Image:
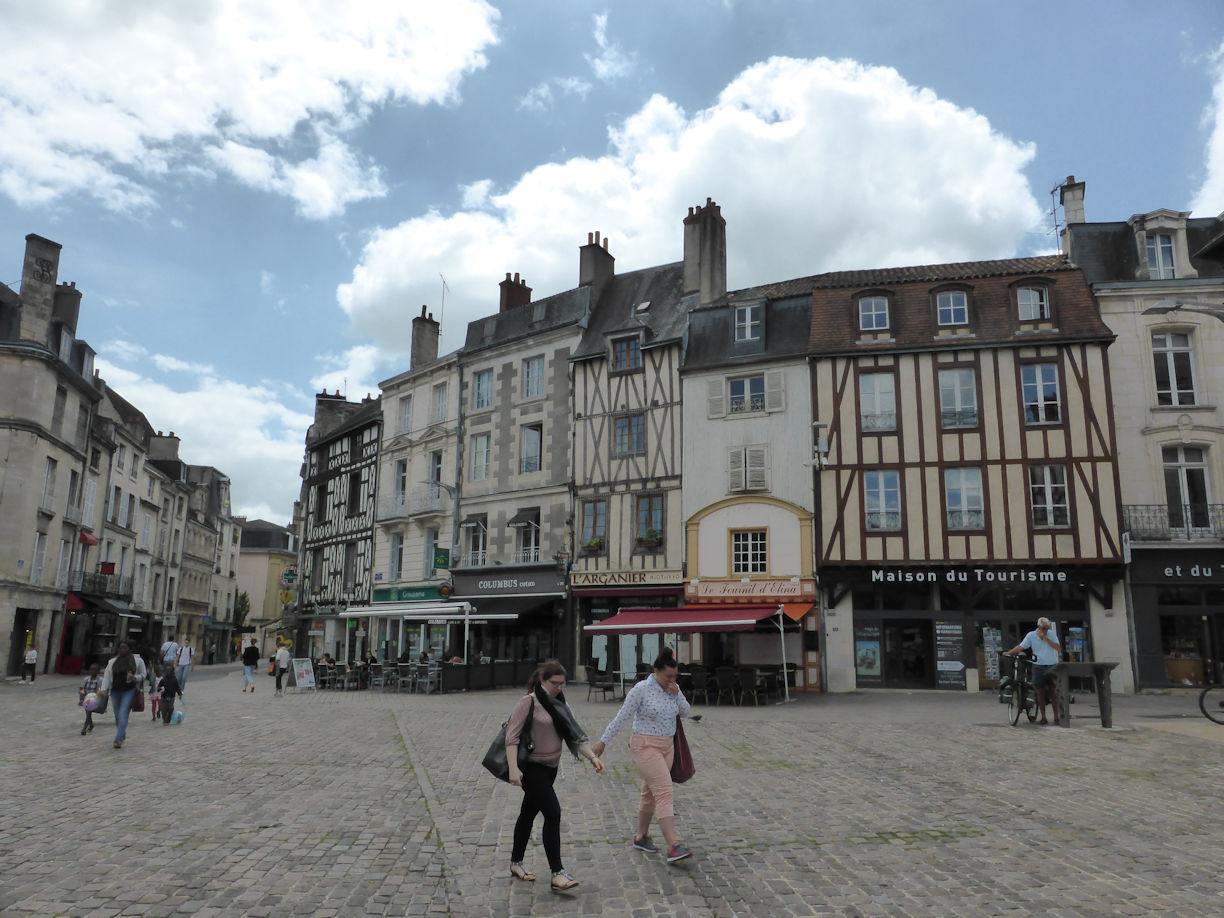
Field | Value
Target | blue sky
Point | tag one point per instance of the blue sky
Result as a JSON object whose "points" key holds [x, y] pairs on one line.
{"points": [[256, 197]]}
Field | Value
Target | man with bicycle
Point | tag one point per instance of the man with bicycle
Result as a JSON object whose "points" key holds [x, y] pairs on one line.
{"points": [[1043, 643]]}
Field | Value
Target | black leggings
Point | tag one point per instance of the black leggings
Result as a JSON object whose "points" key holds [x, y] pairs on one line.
{"points": [[280, 674], [539, 797]]}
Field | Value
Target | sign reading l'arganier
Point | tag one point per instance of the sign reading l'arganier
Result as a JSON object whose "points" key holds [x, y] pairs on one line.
{"points": [[969, 575]]}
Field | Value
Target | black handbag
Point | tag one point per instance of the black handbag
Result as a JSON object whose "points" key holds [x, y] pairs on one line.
{"points": [[495, 759]]}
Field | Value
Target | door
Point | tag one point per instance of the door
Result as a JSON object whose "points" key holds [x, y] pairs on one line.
{"points": [[909, 654], [24, 623]]}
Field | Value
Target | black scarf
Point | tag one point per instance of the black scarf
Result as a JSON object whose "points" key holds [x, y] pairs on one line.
{"points": [[563, 719]]}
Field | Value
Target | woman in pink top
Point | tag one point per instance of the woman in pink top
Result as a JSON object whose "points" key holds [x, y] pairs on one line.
{"points": [[552, 723]]}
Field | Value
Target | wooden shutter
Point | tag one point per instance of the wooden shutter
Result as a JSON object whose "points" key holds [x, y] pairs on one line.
{"points": [[735, 470], [775, 393], [756, 464], [716, 406]]}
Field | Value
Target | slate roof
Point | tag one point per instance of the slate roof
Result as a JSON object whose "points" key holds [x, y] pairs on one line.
{"points": [[1107, 251], [534, 318], [617, 310], [711, 341]]}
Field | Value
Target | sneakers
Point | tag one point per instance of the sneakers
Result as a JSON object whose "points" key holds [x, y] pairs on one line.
{"points": [[678, 853], [561, 880], [645, 844]]}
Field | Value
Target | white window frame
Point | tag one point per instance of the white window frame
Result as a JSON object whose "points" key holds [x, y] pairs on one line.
{"points": [[527, 543], [531, 448], [882, 500], [478, 545], [1049, 497], [405, 414], [439, 402], [877, 403], [958, 407], [480, 457], [1186, 471], [871, 308], [949, 304], [748, 468], [718, 395], [1173, 357], [1160, 256], [395, 558], [39, 558], [964, 504], [482, 390], [746, 394], [749, 551], [750, 322], [533, 377], [399, 481], [1036, 381], [1033, 303]]}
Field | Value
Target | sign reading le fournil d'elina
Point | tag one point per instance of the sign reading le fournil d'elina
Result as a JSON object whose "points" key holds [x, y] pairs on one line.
{"points": [[969, 575]]}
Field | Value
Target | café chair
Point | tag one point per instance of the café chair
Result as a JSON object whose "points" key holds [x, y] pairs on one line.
{"points": [[599, 682], [750, 683], [725, 683], [701, 684]]}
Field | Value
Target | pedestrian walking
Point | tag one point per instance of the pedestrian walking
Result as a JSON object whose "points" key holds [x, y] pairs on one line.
{"points": [[654, 704], [89, 685], [186, 659], [156, 678], [123, 676], [169, 688], [250, 659], [30, 666], [283, 661], [552, 723], [169, 651]]}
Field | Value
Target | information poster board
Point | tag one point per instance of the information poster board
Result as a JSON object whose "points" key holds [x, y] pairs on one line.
{"points": [[949, 653], [303, 674], [868, 659]]}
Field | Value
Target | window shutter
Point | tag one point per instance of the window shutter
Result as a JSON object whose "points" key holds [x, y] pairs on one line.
{"points": [[775, 394], [735, 470], [715, 405], [91, 499], [757, 468]]}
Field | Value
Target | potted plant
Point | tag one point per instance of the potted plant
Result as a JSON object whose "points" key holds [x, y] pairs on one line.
{"points": [[650, 538], [593, 546]]}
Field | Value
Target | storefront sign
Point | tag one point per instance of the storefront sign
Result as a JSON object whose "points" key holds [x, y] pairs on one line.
{"points": [[624, 578], [1188, 566], [969, 575], [752, 589], [502, 582], [407, 594], [949, 646]]}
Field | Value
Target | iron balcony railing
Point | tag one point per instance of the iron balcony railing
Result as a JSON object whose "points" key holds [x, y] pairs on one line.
{"points": [[427, 499], [1173, 522], [100, 584]]}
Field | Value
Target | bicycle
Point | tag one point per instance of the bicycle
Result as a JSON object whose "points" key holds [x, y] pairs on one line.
{"points": [[1211, 703], [1017, 690]]}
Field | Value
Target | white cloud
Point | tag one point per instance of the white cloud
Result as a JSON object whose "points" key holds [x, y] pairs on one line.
{"points": [[537, 99], [145, 92], [1209, 199], [611, 63], [818, 165], [248, 432], [166, 363], [355, 373], [476, 195]]}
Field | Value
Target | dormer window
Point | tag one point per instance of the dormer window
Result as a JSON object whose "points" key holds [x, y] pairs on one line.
{"points": [[626, 354], [873, 313], [952, 307], [749, 322], [1033, 304], [1160, 256]]}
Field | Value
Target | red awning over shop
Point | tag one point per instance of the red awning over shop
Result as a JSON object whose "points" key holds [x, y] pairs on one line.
{"points": [[73, 603], [685, 619], [86, 539]]}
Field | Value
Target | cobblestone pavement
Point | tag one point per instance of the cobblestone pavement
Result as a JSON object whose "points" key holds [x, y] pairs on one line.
{"points": [[872, 804]]}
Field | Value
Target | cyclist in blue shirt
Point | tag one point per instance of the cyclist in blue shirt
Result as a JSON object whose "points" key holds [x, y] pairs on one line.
{"points": [[1043, 642]]}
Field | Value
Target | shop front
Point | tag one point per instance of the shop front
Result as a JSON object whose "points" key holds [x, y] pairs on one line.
{"points": [[598, 595], [942, 627], [525, 606], [1177, 600]]}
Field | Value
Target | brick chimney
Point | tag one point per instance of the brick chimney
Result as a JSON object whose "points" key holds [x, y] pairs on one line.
{"points": [[705, 252], [514, 293], [67, 306], [38, 276], [596, 266], [424, 340]]}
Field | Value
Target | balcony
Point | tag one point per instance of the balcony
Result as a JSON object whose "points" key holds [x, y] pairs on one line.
{"points": [[527, 555], [100, 584], [72, 513], [1176, 523], [430, 499]]}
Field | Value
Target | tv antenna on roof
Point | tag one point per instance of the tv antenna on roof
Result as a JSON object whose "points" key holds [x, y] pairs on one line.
{"points": [[442, 309], [1054, 207]]}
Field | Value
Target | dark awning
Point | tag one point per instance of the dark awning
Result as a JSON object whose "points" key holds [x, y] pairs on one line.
{"points": [[114, 605], [685, 619], [473, 520], [528, 517]]}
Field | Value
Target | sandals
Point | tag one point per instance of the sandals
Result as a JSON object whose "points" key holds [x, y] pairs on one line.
{"points": [[520, 873], [562, 881]]}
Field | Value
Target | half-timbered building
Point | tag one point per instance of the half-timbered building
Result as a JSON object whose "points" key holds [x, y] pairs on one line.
{"points": [[629, 544], [339, 486], [968, 480], [1159, 280]]}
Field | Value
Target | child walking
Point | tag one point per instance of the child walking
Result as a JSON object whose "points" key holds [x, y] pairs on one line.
{"points": [[90, 683], [155, 689], [169, 688]]}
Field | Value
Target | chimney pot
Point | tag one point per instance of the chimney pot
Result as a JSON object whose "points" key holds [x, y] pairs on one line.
{"points": [[597, 237], [590, 238]]}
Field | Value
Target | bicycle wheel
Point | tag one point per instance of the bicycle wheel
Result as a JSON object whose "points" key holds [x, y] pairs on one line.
{"points": [[1211, 703], [1031, 707], [1015, 704]]}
